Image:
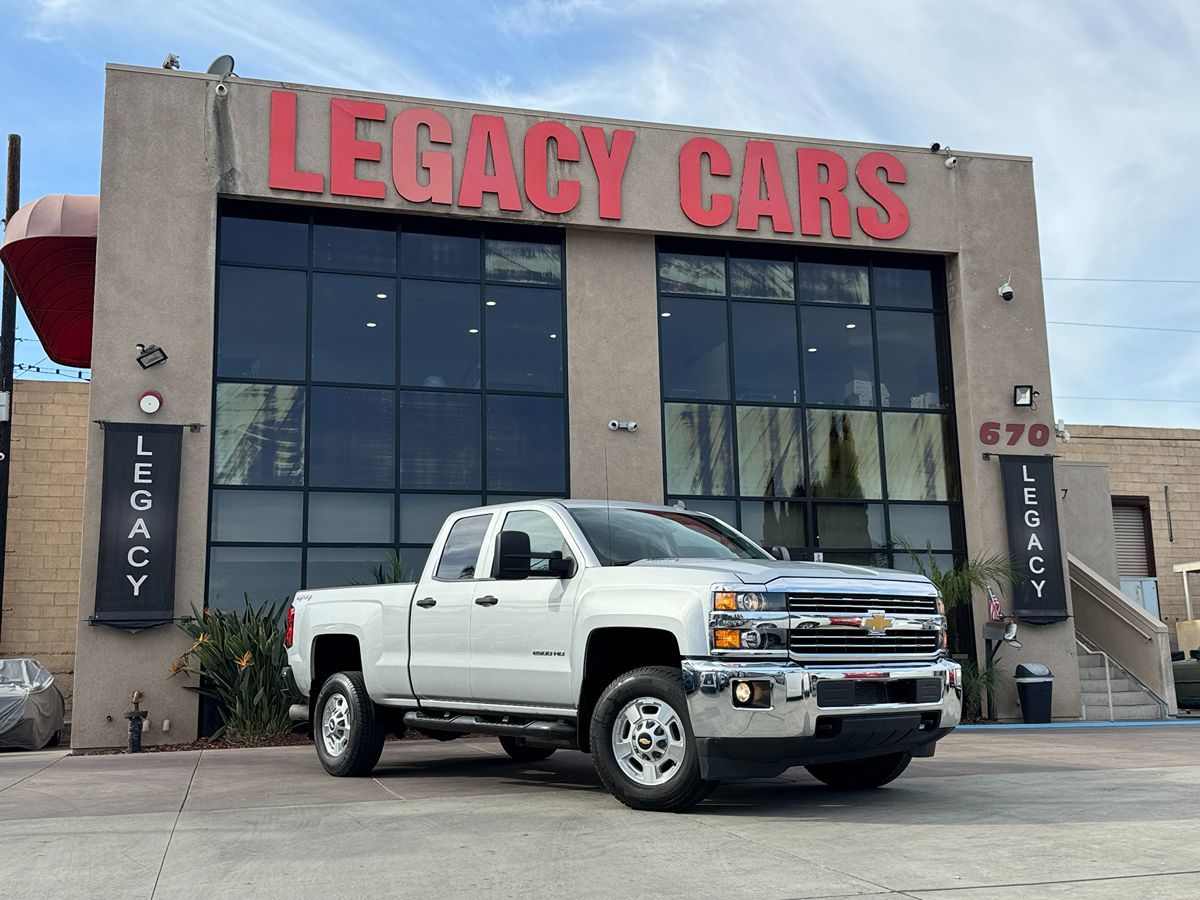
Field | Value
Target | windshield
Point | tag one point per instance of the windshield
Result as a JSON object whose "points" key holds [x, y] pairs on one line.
{"points": [[621, 536]]}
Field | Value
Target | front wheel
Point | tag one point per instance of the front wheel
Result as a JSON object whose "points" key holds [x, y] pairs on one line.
{"points": [[862, 774], [522, 752], [348, 730], [642, 742]]}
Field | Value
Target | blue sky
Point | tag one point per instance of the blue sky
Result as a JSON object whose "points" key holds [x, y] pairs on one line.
{"points": [[1105, 96]]}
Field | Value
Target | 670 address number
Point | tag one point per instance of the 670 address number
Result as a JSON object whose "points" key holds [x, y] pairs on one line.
{"points": [[991, 432]]}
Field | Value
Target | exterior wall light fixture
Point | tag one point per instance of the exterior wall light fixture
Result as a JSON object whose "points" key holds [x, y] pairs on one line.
{"points": [[150, 355], [1025, 395]]}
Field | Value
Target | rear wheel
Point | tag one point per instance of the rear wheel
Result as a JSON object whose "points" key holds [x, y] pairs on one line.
{"points": [[642, 742], [522, 752], [348, 731], [862, 774]]}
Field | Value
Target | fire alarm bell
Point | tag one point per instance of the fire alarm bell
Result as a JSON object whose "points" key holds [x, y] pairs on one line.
{"points": [[150, 402]]}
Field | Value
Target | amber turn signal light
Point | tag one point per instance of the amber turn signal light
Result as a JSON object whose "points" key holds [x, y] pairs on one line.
{"points": [[727, 639], [725, 601]]}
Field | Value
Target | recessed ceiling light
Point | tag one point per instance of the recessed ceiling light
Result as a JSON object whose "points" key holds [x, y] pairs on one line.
{"points": [[491, 303], [371, 324], [472, 331], [851, 325], [665, 315], [812, 349], [553, 336], [381, 296]]}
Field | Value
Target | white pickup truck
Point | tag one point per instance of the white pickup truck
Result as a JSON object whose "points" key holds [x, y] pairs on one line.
{"points": [[671, 647]]}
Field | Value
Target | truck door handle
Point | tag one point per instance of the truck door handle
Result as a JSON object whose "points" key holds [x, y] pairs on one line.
{"points": [[487, 600], [426, 603]]}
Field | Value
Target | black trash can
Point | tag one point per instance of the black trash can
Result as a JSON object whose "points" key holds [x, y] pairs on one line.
{"points": [[1035, 690]]}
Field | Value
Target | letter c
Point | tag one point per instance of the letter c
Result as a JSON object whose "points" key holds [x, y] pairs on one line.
{"points": [[133, 562]]}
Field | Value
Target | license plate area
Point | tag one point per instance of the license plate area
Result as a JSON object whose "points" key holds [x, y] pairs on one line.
{"points": [[871, 692]]}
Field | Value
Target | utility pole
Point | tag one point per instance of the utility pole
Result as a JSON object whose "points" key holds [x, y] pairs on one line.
{"points": [[8, 334]]}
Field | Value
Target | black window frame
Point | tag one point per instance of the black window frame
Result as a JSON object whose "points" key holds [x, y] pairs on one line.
{"points": [[935, 264], [480, 230]]}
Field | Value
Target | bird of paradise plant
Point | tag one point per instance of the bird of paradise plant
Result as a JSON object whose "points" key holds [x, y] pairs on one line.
{"points": [[238, 657]]}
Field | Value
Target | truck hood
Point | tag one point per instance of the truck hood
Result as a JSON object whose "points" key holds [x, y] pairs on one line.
{"points": [[756, 571]]}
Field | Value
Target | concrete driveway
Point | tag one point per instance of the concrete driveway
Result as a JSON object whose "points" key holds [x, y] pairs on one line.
{"points": [[1087, 812]]}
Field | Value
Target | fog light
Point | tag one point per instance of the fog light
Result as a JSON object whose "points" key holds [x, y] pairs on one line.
{"points": [[743, 692], [752, 694]]}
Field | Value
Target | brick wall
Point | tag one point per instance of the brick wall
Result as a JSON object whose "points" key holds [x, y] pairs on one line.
{"points": [[45, 515], [1141, 461]]}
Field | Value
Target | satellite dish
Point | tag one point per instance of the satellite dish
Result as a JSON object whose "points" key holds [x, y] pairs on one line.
{"points": [[222, 65]]}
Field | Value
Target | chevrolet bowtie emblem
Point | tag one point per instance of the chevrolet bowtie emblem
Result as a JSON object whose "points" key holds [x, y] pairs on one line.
{"points": [[877, 623]]}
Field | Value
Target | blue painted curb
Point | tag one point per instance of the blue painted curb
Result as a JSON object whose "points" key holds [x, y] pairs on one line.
{"points": [[1156, 723]]}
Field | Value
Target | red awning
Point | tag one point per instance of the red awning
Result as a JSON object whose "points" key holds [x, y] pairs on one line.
{"points": [[49, 251]]}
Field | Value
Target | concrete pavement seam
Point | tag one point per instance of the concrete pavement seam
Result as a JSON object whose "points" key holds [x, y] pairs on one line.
{"points": [[38, 772], [1017, 884], [797, 856], [167, 849]]}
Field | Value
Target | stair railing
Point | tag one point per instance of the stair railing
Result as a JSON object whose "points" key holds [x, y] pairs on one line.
{"points": [[1107, 676]]}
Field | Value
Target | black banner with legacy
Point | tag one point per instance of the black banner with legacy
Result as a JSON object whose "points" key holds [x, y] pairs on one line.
{"points": [[1039, 594], [139, 513]]}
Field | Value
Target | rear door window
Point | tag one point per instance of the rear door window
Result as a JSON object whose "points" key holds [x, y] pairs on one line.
{"points": [[461, 552]]}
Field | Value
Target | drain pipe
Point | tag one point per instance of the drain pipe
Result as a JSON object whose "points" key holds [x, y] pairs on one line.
{"points": [[136, 717]]}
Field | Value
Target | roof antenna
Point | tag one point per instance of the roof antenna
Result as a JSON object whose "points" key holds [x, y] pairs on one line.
{"points": [[608, 502]]}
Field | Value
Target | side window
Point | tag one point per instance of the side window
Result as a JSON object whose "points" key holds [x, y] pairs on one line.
{"points": [[544, 535], [462, 549]]}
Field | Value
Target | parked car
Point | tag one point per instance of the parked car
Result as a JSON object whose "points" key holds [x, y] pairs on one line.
{"points": [[674, 649], [31, 706], [1187, 679]]}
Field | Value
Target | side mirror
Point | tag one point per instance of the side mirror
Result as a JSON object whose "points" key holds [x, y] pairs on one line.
{"points": [[514, 559], [560, 566], [512, 555]]}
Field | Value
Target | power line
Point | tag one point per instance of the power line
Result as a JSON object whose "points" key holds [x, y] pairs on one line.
{"points": [[1126, 280], [1125, 399], [25, 367], [1129, 327]]}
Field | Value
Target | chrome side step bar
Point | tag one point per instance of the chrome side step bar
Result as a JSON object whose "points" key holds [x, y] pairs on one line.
{"points": [[544, 733]]}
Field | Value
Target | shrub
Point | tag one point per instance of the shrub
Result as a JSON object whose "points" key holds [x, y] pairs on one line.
{"points": [[239, 657]]}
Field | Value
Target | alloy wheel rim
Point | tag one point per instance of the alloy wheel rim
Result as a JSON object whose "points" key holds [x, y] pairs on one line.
{"points": [[335, 725], [649, 741]]}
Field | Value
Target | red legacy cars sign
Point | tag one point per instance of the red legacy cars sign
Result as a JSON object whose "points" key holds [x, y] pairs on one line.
{"points": [[710, 192]]}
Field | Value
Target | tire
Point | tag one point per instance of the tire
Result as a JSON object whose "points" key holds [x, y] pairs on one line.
{"points": [[521, 752], [861, 774], [350, 738], [646, 711]]}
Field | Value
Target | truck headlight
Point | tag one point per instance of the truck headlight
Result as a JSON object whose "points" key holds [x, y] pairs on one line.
{"points": [[941, 605], [749, 601]]}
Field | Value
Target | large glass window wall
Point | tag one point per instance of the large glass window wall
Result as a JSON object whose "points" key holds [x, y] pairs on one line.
{"points": [[807, 398], [374, 374]]}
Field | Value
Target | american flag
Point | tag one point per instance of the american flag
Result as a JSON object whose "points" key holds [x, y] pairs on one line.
{"points": [[994, 613]]}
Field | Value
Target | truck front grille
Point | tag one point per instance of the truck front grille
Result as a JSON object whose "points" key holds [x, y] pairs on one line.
{"points": [[854, 642], [833, 605]]}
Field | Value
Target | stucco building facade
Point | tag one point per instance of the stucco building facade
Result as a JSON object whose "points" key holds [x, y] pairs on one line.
{"points": [[809, 334]]}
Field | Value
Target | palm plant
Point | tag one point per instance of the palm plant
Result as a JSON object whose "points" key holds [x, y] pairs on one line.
{"points": [[390, 571], [957, 585]]}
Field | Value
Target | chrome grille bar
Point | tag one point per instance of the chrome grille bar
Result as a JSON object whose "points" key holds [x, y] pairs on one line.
{"points": [[824, 605]]}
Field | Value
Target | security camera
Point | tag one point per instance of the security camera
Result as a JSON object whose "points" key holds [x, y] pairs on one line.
{"points": [[1005, 290], [935, 147], [951, 162], [631, 427], [221, 89], [613, 424], [616, 425]]}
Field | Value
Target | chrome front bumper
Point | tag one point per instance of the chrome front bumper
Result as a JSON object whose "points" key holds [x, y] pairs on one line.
{"points": [[796, 730]]}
